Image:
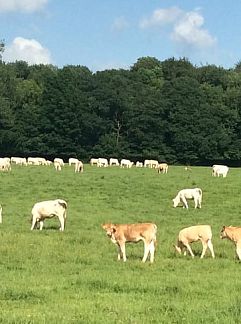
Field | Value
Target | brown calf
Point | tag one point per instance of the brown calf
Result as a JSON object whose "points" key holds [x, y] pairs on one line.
{"points": [[124, 233], [233, 234]]}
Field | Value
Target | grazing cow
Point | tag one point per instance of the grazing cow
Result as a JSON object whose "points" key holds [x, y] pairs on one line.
{"points": [[114, 162], [184, 194], [49, 209], [232, 233], [79, 167], [5, 164], [153, 164], [18, 160], [124, 233], [196, 233], [73, 161], [139, 164], [162, 167], [1, 217], [126, 164], [61, 162], [102, 162], [93, 161], [57, 166], [218, 170]]}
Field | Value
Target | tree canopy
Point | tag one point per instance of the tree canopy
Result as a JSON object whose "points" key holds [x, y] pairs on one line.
{"points": [[171, 111]]}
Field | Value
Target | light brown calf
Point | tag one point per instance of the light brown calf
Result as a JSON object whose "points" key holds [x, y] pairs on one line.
{"points": [[233, 234], [196, 233], [162, 167], [124, 233]]}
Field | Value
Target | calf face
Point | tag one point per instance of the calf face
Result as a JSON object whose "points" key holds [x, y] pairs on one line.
{"points": [[223, 233]]}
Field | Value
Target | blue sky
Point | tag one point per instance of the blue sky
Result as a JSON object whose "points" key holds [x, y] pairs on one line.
{"points": [[104, 34]]}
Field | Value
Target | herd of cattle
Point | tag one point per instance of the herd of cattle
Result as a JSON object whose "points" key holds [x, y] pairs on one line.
{"points": [[125, 233]]}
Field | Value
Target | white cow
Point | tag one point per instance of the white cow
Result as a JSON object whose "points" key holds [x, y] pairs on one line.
{"points": [[102, 162], [72, 161], [151, 164], [218, 170], [33, 161], [184, 194], [79, 166], [93, 161], [195, 233], [139, 164], [57, 165], [5, 165], [49, 209], [61, 162], [126, 164], [114, 162]]}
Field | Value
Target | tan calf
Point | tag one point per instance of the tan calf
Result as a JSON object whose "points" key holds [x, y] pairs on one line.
{"points": [[196, 233], [233, 234], [162, 167], [124, 233]]}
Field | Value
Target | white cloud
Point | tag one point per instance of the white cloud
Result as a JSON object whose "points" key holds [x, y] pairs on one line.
{"points": [[120, 24], [22, 5], [187, 27], [161, 17], [28, 50], [189, 30]]}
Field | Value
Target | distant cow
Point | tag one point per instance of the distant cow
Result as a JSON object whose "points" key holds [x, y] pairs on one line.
{"points": [[57, 165], [72, 161], [93, 161], [60, 161], [114, 162], [151, 164], [139, 164], [79, 167], [233, 234], [102, 162], [219, 170], [196, 233], [184, 194], [124, 233], [126, 163], [49, 209], [5, 164], [162, 167]]}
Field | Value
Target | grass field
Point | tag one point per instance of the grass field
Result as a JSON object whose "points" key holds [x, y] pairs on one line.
{"points": [[74, 276]]}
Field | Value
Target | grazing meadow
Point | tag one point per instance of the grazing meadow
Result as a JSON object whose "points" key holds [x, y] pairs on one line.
{"points": [[74, 276]]}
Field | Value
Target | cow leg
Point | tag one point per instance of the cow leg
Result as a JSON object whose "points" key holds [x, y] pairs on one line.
{"points": [[238, 250], [120, 255], [152, 251], [195, 203], [62, 221], [33, 222], [185, 205], [123, 251], [205, 245], [146, 250], [41, 224], [200, 202], [189, 249], [210, 246]]}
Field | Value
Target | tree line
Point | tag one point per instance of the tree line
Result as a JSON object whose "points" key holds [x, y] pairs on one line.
{"points": [[171, 111]]}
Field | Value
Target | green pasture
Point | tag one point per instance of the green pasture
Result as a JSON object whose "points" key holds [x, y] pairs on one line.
{"points": [[74, 276]]}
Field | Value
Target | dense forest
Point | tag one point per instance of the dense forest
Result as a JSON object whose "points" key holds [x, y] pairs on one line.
{"points": [[172, 111]]}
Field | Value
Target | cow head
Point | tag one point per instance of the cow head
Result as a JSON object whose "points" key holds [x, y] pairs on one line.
{"points": [[109, 228], [223, 233], [175, 202]]}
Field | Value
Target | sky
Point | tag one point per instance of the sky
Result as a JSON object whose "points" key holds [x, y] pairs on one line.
{"points": [[106, 34]]}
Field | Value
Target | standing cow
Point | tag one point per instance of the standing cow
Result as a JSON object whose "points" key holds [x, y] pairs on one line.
{"points": [[49, 209]]}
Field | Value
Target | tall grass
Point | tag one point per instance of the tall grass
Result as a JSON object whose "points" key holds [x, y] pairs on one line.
{"points": [[74, 276]]}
